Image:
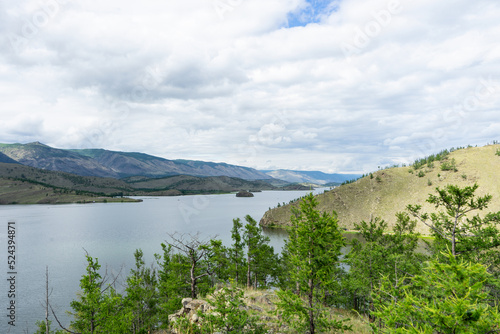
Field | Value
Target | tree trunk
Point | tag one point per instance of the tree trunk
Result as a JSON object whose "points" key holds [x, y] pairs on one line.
{"points": [[371, 307], [47, 327], [193, 281], [453, 235], [311, 293], [311, 303], [249, 284]]}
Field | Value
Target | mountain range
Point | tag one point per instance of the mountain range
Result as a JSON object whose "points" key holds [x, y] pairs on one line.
{"points": [[105, 163], [119, 165], [314, 177], [37, 173]]}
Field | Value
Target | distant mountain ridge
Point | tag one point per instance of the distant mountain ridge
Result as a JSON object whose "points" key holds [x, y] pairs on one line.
{"points": [[316, 177], [105, 163]]}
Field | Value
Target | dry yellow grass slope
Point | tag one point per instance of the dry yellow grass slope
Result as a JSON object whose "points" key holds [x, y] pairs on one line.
{"points": [[391, 190]]}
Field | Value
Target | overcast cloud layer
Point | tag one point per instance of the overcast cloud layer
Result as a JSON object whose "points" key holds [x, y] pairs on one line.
{"points": [[336, 86]]}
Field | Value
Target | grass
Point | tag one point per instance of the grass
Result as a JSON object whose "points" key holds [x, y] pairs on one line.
{"points": [[367, 197]]}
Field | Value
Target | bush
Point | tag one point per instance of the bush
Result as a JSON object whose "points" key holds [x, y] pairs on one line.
{"points": [[229, 314], [449, 165], [421, 174]]}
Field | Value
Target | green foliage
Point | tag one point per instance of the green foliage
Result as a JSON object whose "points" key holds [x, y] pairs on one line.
{"points": [[497, 152], [42, 328], [381, 254], [429, 182], [351, 181], [421, 174], [261, 259], [471, 238], [99, 308], [142, 298], [236, 252], [229, 314], [218, 261], [195, 251], [313, 253], [429, 161], [447, 297], [173, 275], [465, 236], [449, 165]]}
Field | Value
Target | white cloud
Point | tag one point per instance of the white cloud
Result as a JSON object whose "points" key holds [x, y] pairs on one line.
{"points": [[180, 80]]}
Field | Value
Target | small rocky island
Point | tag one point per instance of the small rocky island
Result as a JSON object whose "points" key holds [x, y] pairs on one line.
{"points": [[244, 193]]}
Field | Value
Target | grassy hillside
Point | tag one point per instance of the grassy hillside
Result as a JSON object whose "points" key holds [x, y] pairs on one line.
{"points": [[390, 190]]}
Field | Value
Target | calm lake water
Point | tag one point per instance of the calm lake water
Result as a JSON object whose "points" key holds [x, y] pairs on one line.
{"points": [[58, 235]]}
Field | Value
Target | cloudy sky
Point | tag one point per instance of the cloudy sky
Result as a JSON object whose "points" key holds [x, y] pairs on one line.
{"points": [[330, 85]]}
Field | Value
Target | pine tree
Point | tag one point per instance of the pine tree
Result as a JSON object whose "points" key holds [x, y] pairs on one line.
{"points": [[381, 254], [314, 248], [195, 251], [261, 260], [466, 236], [141, 296], [99, 308], [447, 297], [237, 252], [173, 282]]}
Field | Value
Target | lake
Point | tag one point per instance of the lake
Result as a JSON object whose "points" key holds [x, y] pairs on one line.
{"points": [[57, 236]]}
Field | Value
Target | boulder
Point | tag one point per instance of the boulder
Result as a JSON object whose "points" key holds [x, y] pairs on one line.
{"points": [[189, 310]]}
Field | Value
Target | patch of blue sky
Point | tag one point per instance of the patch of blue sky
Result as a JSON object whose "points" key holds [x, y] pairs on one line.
{"points": [[313, 11]]}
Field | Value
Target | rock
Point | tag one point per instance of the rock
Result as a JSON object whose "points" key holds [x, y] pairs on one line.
{"points": [[186, 301], [263, 300], [244, 193], [256, 308]]}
